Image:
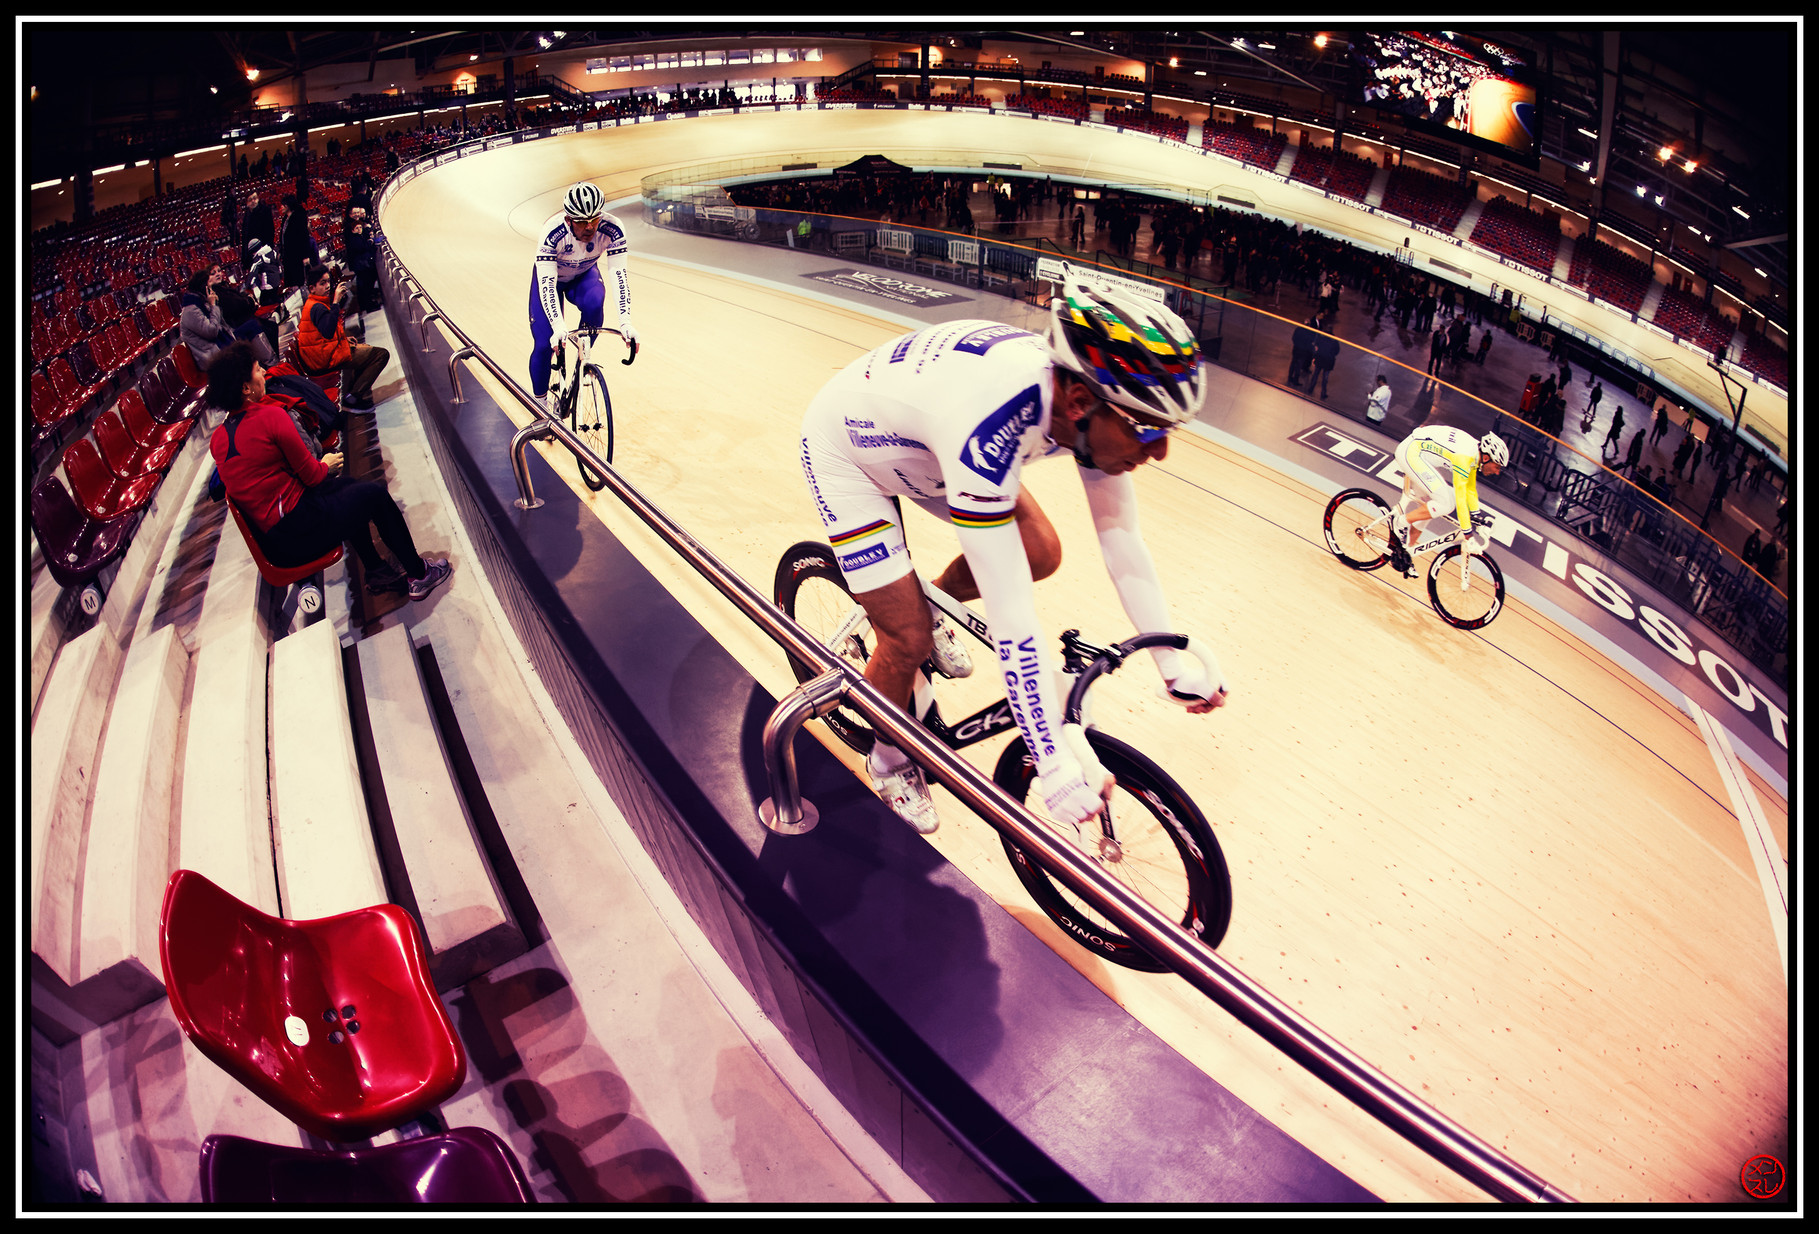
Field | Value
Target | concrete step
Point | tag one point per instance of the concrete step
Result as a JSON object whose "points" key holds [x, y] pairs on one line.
{"points": [[128, 854], [466, 924], [326, 859]]}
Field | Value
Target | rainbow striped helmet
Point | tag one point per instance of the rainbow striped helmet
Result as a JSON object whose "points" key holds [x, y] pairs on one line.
{"points": [[1136, 353]]}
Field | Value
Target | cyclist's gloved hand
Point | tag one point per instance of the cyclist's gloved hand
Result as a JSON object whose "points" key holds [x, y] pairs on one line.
{"points": [[1479, 540], [1068, 796], [628, 333], [1191, 689]]}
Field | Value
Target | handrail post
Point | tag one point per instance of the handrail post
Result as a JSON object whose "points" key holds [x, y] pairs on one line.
{"points": [[521, 470], [784, 811], [423, 329], [454, 372]]}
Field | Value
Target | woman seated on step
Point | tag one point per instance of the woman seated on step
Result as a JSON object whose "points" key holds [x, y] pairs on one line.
{"points": [[301, 507]]}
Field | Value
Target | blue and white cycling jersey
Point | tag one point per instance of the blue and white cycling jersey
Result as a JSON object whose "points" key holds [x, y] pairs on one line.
{"points": [[560, 259]]}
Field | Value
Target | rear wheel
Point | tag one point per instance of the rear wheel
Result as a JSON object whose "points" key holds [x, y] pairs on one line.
{"points": [[1358, 528], [810, 588], [592, 422], [1152, 839], [1467, 597]]}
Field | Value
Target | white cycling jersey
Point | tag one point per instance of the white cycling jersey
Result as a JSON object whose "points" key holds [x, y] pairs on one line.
{"points": [[947, 416], [561, 259]]}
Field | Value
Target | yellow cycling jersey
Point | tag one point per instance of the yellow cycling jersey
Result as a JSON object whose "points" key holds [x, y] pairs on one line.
{"points": [[1459, 450]]}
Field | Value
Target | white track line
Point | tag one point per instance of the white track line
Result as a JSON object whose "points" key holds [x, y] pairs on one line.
{"points": [[1770, 866]]}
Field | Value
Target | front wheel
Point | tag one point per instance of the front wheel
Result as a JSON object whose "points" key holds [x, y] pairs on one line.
{"points": [[1152, 839], [1358, 528], [810, 588], [592, 422], [1466, 592]]}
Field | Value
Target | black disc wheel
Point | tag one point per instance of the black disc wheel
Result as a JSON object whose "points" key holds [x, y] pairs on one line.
{"points": [[1152, 839]]}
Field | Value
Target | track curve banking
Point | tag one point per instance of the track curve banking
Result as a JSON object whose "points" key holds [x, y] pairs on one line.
{"points": [[1495, 864]]}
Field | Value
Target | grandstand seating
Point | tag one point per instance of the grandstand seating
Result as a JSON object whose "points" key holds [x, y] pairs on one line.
{"points": [[124, 456], [1071, 109], [1693, 320], [1341, 173], [1530, 237], [139, 422], [1172, 127], [1765, 359], [1610, 274], [1426, 198]]}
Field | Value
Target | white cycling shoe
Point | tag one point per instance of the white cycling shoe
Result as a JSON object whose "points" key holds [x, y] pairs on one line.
{"points": [[950, 655], [905, 790]]}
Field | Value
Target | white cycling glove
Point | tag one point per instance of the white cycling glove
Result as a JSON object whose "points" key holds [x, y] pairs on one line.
{"points": [[625, 329], [1075, 785], [1192, 682]]}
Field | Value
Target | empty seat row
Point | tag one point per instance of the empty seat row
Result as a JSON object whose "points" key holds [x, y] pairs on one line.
{"points": [[1426, 198], [1339, 172]]}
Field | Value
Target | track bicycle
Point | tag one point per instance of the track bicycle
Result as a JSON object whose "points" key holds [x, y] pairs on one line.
{"points": [[1152, 838], [1466, 589], [582, 400]]}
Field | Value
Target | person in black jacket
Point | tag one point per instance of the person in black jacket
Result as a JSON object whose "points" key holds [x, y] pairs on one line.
{"points": [[296, 248], [258, 224]]}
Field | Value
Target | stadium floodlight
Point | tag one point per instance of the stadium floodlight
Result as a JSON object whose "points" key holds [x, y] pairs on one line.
{"points": [[1741, 210]]}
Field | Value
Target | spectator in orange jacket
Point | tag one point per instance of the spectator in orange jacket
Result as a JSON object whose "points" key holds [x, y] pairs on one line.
{"points": [[322, 340]]}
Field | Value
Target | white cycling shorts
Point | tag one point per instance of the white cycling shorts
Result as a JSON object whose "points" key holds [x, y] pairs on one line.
{"points": [[863, 522], [1428, 482]]}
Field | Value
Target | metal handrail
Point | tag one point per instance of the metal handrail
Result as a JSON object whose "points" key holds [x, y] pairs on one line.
{"points": [[1185, 955]]}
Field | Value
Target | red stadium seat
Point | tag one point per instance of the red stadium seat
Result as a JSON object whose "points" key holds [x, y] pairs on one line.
{"points": [[333, 1022], [187, 368], [124, 456], [146, 431], [278, 576], [48, 406], [98, 491]]}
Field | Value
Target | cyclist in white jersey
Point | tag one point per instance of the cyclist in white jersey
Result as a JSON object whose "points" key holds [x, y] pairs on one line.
{"points": [[565, 267], [946, 417], [1440, 467]]}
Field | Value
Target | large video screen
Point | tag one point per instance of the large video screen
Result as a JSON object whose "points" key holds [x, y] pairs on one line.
{"points": [[1466, 88]]}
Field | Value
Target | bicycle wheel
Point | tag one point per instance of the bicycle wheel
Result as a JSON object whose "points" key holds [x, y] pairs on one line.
{"points": [[1357, 528], [810, 588], [591, 419], [1159, 847], [1465, 602]]}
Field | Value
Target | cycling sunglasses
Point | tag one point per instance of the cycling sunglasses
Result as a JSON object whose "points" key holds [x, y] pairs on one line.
{"points": [[1146, 433]]}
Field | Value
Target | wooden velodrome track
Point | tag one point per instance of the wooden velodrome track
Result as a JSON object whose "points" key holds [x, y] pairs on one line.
{"points": [[1494, 865]]}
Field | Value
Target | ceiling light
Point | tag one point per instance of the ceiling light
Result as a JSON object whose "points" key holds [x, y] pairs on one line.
{"points": [[1657, 199], [560, 34], [1174, 62], [213, 90], [1641, 192], [1667, 152], [1692, 165], [1760, 270], [1741, 210], [1199, 72], [1589, 134], [1319, 40], [543, 42], [473, 57], [252, 74], [1075, 33]]}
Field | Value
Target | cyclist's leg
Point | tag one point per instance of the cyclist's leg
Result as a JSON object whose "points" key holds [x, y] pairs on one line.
{"points": [[864, 528], [1040, 544], [588, 293], [542, 337]]}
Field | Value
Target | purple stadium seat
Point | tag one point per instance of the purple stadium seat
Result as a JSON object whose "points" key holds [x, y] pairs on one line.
{"points": [[468, 1165]]}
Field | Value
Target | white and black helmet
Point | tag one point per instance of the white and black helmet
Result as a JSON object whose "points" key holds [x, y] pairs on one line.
{"points": [[1135, 353], [1491, 446], [584, 201]]}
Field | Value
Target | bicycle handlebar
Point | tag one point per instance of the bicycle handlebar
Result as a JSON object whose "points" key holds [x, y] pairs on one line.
{"points": [[1110, 659], [575, 337]]}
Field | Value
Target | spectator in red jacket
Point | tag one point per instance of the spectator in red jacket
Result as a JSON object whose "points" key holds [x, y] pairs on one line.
{"points": [[299, 506]]}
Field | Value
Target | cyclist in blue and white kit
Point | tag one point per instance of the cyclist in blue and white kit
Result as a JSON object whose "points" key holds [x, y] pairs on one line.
{"points": [[947, 417], [565, 267]]}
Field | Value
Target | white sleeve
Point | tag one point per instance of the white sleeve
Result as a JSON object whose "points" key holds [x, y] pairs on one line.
{"points": [[1113, 503], [545, 270], [1025, 661]]}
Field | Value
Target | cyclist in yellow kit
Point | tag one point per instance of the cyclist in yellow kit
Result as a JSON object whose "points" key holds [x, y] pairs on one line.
{"points": [[1440, 467]]}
